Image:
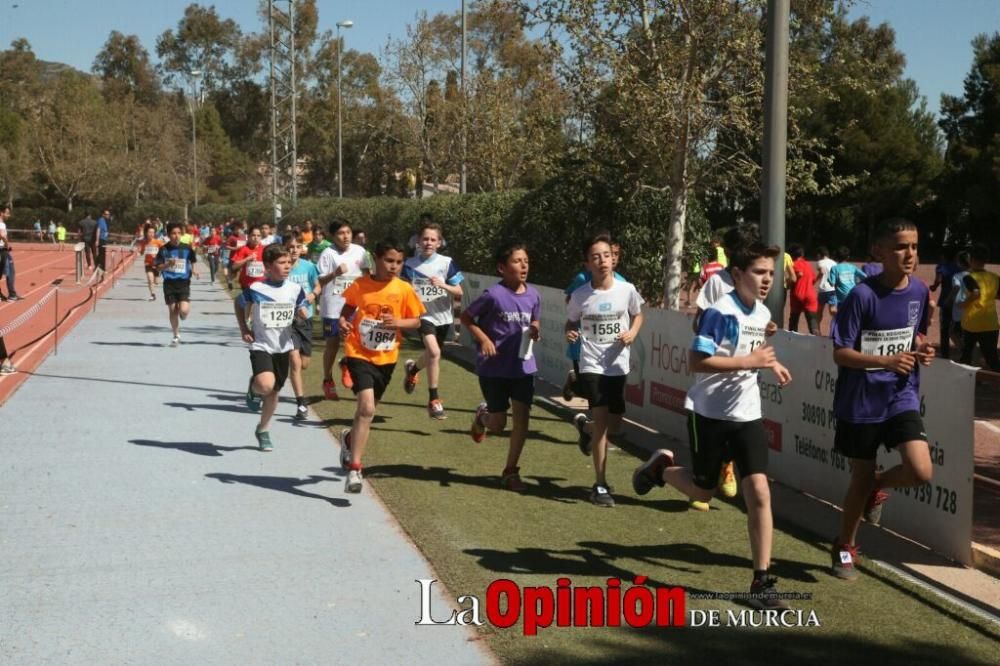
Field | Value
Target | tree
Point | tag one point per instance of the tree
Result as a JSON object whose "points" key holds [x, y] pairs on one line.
{"points": [[124, 67], [971, 124], [70, 139], [202, 42]]}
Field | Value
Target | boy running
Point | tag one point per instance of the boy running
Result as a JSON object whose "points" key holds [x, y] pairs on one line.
{"points": [[803, 295], [843, 277], [878, 339], [606, 314], [724, 410], [979, 311], [175, 262], [376, 308], [305, 275], [275, 304], [149, 247], [504, 321], [248, 261], [437, 281], [212, 244], [826, 293], [339, 265]]}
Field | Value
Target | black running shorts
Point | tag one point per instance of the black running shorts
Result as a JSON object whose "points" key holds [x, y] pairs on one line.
{"points": [[714, 441], [439, 332], [861, 440], [175, 291], [262, 361], [302, 335], [499, 391], [604, 391], [366, 375]]}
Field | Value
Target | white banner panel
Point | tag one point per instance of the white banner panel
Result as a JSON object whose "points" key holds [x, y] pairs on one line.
{"points": [[799, 417]]}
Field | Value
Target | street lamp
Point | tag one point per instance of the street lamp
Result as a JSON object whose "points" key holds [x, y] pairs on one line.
{"points": [[193, 76], [340, 138]]}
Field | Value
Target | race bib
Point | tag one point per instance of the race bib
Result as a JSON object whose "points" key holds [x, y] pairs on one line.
{"points": [[376, 336], [255, 269], [426, 291], [887, 343], [177, 265], [341, 283], [602, 329], [526, 350], [212, 249], [240, 243], [751, 338], [152, 251], [276, 315]]}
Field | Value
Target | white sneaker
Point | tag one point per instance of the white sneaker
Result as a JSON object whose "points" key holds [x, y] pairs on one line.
{"points": [[354, 481], [176, 340], [7, 370]]}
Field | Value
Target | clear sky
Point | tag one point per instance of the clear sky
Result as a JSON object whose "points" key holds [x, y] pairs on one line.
{"points": [[935, 35]]}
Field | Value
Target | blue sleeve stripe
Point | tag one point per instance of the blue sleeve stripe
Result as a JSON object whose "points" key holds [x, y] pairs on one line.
{"points": [[704, 345]]}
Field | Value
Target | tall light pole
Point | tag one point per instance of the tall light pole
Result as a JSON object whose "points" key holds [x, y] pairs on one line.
{"points": [[464, 106], [194, 75], [340, 137]]}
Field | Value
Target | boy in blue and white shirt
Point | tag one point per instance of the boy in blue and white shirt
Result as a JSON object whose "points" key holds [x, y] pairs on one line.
{"points": [[275, 303], [175, 262], [724, 409], [438, 282]]}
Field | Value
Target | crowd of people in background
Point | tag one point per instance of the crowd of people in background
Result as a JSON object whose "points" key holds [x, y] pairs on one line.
{"points": [[965, 303]]}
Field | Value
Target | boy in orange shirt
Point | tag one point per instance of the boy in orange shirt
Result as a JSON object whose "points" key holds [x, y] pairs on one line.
{"points": [[376, 308], [149, 247]]}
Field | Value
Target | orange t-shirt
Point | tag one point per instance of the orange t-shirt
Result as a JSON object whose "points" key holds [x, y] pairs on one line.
{"points": [[149, 250], [369, 339], [307, 237]]}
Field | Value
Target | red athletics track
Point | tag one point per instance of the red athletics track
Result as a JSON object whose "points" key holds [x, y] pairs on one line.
{"points": [[37, 265]]}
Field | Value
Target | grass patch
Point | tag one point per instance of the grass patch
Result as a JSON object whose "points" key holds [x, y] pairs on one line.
{"points": [[444, 491]]}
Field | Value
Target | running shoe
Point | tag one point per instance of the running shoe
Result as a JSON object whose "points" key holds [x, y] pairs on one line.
{"points": [[511, 480], [698, 505], [301, 412], [14, 297], [345, 375], [765, 596], [330, 390], [252, 399], [580, 421], [873, 508], [152, 297], [436, 410], [478, 430], [410, 376], [567, 391], [844, 558], [264, 441], [727, 480], [650, 473], [601, 496], [7, 369], [174, 341], [345, 448], [354, 481]]}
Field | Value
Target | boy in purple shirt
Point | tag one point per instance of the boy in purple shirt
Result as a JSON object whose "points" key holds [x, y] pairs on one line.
{"points": [[879, 344], [504, 320]]}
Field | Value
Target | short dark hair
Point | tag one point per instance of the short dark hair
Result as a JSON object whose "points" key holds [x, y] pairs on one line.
{"points": [[389, 243], [174, 225], [145, 228], [962, 258], [843, 253], [507, 249], [291, 237], [795, 250], [599, 237], [748, 254], [891, 227], [336, 224], [822, 251], [979, 252], [432, 225], [273, 252]]}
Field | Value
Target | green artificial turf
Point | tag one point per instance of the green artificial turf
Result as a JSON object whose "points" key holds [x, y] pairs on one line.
{"points": [[444, 491]]}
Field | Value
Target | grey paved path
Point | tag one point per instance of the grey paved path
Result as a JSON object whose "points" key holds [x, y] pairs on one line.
{"points": [[139, 524]]}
